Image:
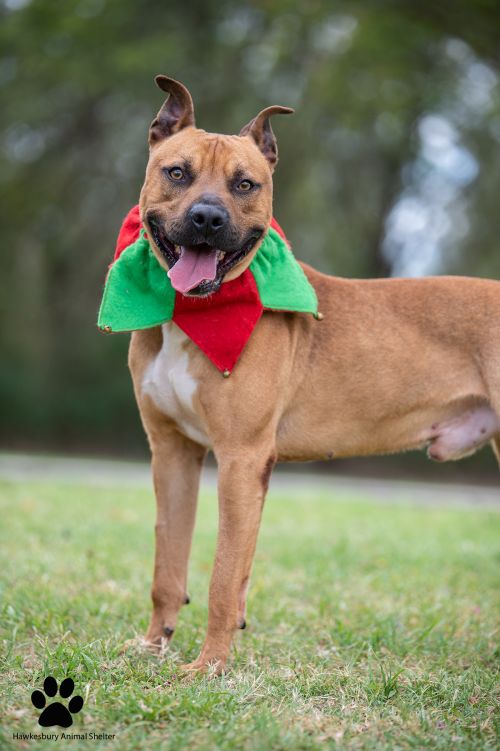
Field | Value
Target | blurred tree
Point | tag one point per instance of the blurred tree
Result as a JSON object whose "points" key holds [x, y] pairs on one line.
{"points": [[391, 164]]}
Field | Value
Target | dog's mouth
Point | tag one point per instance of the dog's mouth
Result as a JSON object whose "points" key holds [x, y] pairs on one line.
{"points": [[200, 268]]}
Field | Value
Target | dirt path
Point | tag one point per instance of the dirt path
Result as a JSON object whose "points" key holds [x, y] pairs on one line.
{"points": [[108, 473]]}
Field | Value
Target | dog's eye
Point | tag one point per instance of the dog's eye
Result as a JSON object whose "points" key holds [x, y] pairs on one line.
{"points": [[176, 173], [245, 186]]}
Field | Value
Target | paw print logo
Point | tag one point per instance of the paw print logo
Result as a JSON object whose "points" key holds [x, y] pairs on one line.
{"points": [[56, 713]]}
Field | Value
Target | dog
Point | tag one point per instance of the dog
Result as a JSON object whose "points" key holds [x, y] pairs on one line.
{"points": [[390, 365]]}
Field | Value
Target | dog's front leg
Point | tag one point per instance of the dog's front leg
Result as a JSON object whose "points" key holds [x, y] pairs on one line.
{"points": [[176, 464], [243, 480]]}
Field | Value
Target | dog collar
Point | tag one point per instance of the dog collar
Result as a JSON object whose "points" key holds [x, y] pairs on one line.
{"points": [[139, 295]]}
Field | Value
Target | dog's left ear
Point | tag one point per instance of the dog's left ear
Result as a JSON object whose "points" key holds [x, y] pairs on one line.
{"points": [[177, 111], [260, 130]]}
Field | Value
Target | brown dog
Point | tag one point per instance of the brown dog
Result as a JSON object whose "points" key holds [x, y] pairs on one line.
{"points": [[395, 365]]}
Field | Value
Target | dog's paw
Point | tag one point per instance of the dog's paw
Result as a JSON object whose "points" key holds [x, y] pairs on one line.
{"points": [[157, 647], [201, 666]]}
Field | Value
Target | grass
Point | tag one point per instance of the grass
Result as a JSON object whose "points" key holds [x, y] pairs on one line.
{"points": [[370, 626]]}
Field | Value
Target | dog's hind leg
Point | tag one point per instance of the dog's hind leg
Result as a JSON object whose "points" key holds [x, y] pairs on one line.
{"points": [[495, 445], [176, 465], [491, 375], [495, 441], [242, 598]]}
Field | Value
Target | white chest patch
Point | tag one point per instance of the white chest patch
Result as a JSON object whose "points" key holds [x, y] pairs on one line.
{"points": [[170, 385]]}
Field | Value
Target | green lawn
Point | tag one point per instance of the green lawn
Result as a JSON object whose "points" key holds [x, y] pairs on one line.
{"points": [[370, 626]]}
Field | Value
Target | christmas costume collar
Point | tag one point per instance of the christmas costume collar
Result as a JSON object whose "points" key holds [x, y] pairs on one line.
{"points": [[139, 295]]}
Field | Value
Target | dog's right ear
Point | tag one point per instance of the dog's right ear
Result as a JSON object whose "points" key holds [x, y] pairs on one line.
{"points": [[259, 129], [176, 113]]}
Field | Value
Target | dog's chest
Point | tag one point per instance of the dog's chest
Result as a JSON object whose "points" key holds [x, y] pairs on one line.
{"points": [[171, 386]]}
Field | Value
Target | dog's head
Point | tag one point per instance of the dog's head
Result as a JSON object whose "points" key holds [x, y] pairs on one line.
{"points": [[206, 201]]}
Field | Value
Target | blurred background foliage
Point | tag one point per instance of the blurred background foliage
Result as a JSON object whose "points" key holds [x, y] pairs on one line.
{"points": [[391, 165]]}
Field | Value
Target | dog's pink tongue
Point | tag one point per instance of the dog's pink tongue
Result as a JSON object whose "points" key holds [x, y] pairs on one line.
{"points": [[194, 266]]}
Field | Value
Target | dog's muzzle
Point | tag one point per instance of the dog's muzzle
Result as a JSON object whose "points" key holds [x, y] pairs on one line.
{"points": [[199, 268]]}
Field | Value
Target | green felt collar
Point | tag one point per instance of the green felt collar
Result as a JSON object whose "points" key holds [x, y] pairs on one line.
{"points": [[138, 293]]}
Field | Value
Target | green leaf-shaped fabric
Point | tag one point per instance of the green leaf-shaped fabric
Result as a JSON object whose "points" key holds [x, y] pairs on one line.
{"points": [[138, 293], [280, 279]]}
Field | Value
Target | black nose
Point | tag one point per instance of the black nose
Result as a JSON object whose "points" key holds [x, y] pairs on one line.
{"points": [[208, 218]]}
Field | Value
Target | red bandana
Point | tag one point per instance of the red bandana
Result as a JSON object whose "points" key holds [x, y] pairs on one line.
{"points": [[229, 315]]}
